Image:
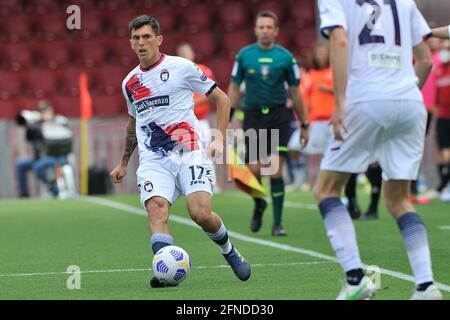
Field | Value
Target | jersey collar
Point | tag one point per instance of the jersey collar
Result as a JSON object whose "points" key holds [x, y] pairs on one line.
{"points": [[157, 63]]}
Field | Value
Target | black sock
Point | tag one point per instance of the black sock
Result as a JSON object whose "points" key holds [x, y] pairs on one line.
{"points": [[424, 286], [350, 187], [414, 190], [374, 176], [444, 172], [277, 193], [354, 276], [259, 202]]}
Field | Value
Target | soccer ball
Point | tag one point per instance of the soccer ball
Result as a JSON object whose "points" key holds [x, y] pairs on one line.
{"points": [[171, 265]]}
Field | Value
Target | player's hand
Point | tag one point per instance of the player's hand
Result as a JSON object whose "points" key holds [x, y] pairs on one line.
{"points": [[118, 173], [304, 137], [337, 121], [215, 148]]}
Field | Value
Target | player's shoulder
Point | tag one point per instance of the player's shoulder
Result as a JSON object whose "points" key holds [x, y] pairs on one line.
{"points": [[178, 62], [248, 50], [129, 75], [283, 51]]}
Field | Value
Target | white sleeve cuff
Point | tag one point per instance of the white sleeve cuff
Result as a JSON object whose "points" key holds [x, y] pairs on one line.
{"points": [[449, 31]]}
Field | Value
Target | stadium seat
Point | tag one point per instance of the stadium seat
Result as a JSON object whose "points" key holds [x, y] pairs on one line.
{"points": [[276, 6], [10, 7], [108, 79], [12, 85], [303, 14], [304, 38], [170, 43], [16, 28], [108, 105], [234, 41], [68, 81], [41, 83], [91, 52], [117, 22], [204, 44], [196, 18], [221, 67], [54, 54], [41, 7], [284, 37], [51, 26], [166, 15], [232, 15], [19, 56], [67, 106], [112, 5], [9, 109], [120, 52], [92, 26]]}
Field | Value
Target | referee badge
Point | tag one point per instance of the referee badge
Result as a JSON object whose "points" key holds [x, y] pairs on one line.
{"points": [[164, 75], [265, 70]]}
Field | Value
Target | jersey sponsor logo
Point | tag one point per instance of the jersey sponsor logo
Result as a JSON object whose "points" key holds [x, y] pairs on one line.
{"points": [[391, 60], [148, 186], [203, 77], [151, 103], [136, 89], [164, 75], [265, 60]]}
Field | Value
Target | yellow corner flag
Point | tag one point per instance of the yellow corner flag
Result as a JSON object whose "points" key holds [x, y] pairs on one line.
{"points": [[243, 177], [85, 115]]}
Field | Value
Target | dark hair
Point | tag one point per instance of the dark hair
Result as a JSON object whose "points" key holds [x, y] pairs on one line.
{"points": [[143, 20], [267, 14]]}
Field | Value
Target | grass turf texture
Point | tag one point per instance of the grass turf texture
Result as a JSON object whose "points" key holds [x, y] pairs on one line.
{"points": [[45, 236]]}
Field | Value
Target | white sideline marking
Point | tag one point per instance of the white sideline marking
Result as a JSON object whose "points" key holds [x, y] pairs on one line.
{"points": [[242, 237], [288, 204], [444, 227], [223, 266]]}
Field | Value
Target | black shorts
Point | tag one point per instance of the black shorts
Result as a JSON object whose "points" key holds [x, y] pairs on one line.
{"points": [[277, 118], [443, 133]]}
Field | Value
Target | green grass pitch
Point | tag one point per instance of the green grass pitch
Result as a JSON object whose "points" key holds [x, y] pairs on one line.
{"points": [[41, 238]]}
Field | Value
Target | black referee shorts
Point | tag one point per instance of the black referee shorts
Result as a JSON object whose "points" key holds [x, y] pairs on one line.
{"points": [[443, 133], [259, 145]]}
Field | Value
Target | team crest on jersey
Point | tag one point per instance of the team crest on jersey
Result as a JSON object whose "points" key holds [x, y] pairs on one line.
{"points": [[148, 186], [265, 70], [164, 75]]}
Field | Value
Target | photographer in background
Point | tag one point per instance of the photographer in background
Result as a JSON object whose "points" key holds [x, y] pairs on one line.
{"points": [[52, 142]]}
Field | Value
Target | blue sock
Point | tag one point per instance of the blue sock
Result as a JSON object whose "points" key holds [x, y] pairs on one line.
{"points": [[221, 238], [160, 240], [341, 233], [416, 243]]}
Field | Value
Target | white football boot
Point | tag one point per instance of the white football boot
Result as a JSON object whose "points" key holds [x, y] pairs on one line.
{"points": [[431, 293], [362, 291]]}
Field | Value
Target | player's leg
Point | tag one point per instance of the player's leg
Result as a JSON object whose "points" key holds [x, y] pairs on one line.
{"points": [[277, 192], [45, 171], [22, 166], [412, 229], [375, 179], [350, 193]]}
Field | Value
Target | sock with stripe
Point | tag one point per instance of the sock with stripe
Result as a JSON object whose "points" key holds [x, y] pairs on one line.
{"points": [[277, 193], [221, 238], [342, 236], [416, 243], [160, 240]]}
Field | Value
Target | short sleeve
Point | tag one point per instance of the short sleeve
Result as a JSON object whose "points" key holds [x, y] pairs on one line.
{"points": [[126, 94], [292, 72], [331, 16], [198, 81], [420, 29], [237, 73]]}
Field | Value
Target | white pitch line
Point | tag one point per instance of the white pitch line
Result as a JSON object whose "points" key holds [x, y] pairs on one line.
{"points": [[444, 227], [242, 237], [288, 204], [223, 266]]}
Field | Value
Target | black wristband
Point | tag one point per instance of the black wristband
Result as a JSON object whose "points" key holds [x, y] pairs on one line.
{"points": [[304, 125], [232, 110]]}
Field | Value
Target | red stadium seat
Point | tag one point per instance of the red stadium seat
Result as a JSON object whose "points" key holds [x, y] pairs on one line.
{"points": [[108, 79], [304, 38], [12, 85], [276, 7], [196, 18], [67, 106], [117, 22], [232, 16], [221, 67], [92, 26], [41, 83], [284, 38], [234, 41], [204, 44], [16, 28], [19, 56], [42, 6], [170, 43], [121, 52], [51, 26], [303, 14], [10, 7], [54, 54], [112, 5], [91, 52], [9, 109], [108, 105]]}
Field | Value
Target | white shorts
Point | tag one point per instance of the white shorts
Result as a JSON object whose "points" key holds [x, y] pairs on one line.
{"points": [[320, 135], [390, 132], [172, 176]]}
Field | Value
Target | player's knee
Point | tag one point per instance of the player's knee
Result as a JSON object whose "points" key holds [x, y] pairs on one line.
{"points": [[201, 215], [157, 209]]}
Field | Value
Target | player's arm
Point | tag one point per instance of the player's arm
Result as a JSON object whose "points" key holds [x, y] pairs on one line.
{"points": [[424, 63], [441, 32], [299, 108], [338, 61], [221, 100], [130, 144]]}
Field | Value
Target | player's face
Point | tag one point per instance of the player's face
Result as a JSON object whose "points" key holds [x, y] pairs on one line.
{"points": [[146, 44], [266, 31]]}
